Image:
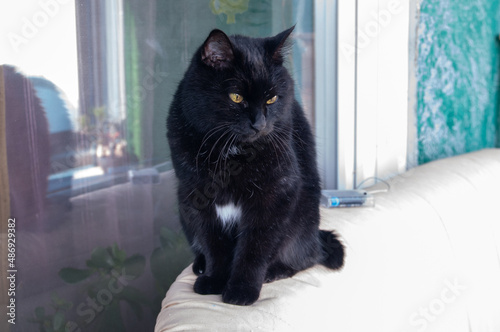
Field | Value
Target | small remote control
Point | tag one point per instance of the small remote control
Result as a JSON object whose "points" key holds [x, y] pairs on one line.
{"points": [[345, 198]]}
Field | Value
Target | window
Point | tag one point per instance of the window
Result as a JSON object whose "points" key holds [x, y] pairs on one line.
{"points": [[372, 127], [84, 160], [91, 186]]}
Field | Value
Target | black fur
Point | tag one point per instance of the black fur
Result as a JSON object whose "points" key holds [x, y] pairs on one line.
{"points": [[256, 156]]}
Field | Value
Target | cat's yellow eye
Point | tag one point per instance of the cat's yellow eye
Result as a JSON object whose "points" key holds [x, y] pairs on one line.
{"points": [[236, 97], [272, 100]]}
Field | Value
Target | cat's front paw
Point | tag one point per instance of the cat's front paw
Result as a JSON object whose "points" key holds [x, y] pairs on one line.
{"points": [[209, 285], [199, 265], [240, 294]]}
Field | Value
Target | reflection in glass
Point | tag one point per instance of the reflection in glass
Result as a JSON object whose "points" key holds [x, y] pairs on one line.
{"points": [[91, 183]]}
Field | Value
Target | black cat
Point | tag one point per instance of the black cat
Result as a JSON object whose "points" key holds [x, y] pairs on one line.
{"points": [[245, 158]]}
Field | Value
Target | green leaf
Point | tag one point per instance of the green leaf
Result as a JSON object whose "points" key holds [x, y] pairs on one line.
{"points": [[134, 265], [166, 264], [58, 320], [100, 258], [40, 313], [168, 238], [66, 306], [158, 262], [118, 254], [72, 275], [55, 299], [94, 286], [114, 248], [71, 326], [164, 243], [48, 325], [59, 302]]}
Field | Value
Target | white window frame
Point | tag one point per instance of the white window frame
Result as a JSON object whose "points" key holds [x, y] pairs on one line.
{"points": [[362, 84]]}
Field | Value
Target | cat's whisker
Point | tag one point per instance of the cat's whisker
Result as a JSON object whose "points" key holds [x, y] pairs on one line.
{"points": [[235, 137], [221, 152], [212, 132], [223, 156], [272, 140], [216, 142], [229, 144], [283, 131], [280, 144], [287, 151], [207, 136], [281, 141]]}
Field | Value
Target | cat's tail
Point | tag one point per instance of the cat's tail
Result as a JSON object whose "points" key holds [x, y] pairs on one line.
{"points": [[332, 250]]}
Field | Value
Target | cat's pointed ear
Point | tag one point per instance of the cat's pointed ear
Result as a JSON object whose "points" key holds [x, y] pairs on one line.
{"points": [[279, 45], [217, 51]]}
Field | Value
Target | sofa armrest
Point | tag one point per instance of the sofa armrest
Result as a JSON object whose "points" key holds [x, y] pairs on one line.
{"points": [[425, 257]]}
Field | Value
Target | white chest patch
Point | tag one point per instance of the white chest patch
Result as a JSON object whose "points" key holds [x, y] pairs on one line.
{"points": [[234, 150], [228, 214]]}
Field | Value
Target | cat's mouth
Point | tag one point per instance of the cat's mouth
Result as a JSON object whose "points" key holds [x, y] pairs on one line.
{"points": [[252, 135], [251, 138]]}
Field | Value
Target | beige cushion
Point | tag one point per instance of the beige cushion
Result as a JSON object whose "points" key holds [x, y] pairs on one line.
{"points": [[426, 257]]}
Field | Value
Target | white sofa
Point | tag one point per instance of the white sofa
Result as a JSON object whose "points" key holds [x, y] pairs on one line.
{"points": [[426, 257]]}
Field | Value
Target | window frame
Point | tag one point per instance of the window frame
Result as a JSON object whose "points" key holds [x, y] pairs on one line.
{"points": [[355, 101]]}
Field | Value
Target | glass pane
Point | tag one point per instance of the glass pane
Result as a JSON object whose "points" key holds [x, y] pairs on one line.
{"points": [[87, 90]]}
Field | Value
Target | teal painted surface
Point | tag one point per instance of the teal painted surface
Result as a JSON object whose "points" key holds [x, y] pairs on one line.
{"points": [[458, 69]]}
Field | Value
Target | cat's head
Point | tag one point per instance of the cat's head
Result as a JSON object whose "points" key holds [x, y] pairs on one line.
{"points": [[237, 86]]}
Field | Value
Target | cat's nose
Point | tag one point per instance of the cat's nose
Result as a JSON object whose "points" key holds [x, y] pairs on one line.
{"points": [[259, 124]]}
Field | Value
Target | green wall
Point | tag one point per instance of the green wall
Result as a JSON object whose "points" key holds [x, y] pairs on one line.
{"points": [[458, 67]]}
